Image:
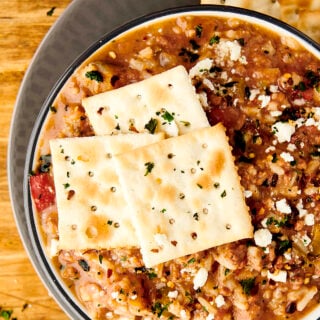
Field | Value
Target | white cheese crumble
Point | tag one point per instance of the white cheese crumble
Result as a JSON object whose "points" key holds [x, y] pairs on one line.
{"points": [[262, 237], [247, 193], [287, 255], [278, 276], [291, 147], [172, 294], [219, 300], [210, 317], [309, 219], [302, 211], [283, 131], [253, 94], [114, 294], [282, 206], [264, 100], [200, 278], [200, 67], [270, 149], [274, 88], [306, 240], [276, 113], [286, 156]]}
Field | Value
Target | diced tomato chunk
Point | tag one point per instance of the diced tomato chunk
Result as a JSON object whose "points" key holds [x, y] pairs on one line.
{"points": [[42, 190]]}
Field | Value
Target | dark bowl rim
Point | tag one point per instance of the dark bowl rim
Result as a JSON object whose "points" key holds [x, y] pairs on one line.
{"points": [[41, 263]]}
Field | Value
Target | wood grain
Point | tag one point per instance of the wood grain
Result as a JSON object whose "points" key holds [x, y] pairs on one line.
{"points": [[23, 24]]}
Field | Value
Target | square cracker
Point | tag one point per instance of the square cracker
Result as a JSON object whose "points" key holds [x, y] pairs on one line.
{"points": [[185, 195], [168, 98], [92, 211]]}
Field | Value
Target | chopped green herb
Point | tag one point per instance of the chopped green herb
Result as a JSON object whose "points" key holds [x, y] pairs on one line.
{"points": [[51, 11], [66, 185], [151, 125], [149, 166], [198, 29], [117, 127], [109, 222], [223, 194], [53, 109], [167, 116], [158, 308], [163, 210], [301, 86], [94, 75], [192, 260], [216, 185], [241, 41], [100, 258], [214, 39], [186, 123], [199, 185], [152, 275], [247, 285], [45, 163], [84, 265], [196, 216], [72, 161], [226, 272]]}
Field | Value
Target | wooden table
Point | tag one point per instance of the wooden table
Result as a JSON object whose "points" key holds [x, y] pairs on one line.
{"points": [[23, 24]]}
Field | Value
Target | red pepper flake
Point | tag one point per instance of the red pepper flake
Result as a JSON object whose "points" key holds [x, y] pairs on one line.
{"points": [[71, 193], [100, 110], [174, 242], [154, 250], [194, 235]]}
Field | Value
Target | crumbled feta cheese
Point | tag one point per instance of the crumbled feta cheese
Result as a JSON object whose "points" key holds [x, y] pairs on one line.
{"points": [[310, 122], [278, 276], [200, 278], [114, 294], [287, 255], [302, 211], [233, 48], [203, 99], [275, 113], [224, 75], [262, 237], [200, 67], [134, 297], [309, 219], [219, 300], [253, 94], [306, 240], [173, 294], [282, 206], [109, 315], [210, 317], [264, 100], [286, 156], [291, 147], [247, 193], [208, 84], [264, 222], [183, 314], [270, 149], [243, 60], [274, 88], [283, 131]]}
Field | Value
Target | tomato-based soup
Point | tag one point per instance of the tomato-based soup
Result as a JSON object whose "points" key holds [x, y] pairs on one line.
{"points": [[265, 89]]}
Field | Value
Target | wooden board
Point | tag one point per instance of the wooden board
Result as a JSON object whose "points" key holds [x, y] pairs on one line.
{"points": [[23, 24]]}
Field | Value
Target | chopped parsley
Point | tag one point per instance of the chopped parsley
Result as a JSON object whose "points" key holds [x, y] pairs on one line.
{"points": [[199, 30], [66, 185], [53, 109], [51, 11], [94, 75], [158, 308], [214, 39], [100, 258], [84, 265], [247, 285], [223, 194], [45, 163], [167, 116], [149, 166], [151, 125], [192, 260]]}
